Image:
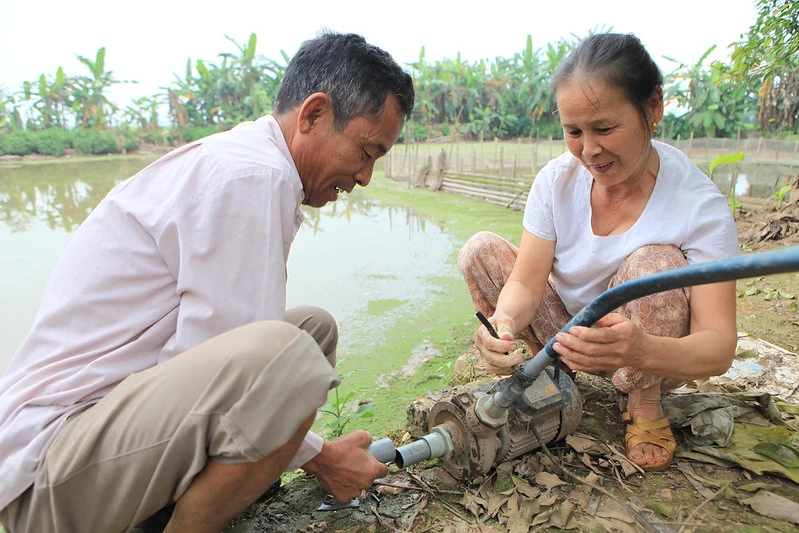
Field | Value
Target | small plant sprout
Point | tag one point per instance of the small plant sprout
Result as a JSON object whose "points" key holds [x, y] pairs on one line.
{"points": [[780, 195], [734, 203], [729, 159], [341, 410]]}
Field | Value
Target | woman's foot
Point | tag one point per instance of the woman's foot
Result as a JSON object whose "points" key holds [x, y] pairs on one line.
{"points": [[650, 443]]}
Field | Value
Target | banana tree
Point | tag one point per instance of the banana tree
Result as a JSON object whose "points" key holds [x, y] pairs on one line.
{"points": [[90, 104], [242, 86], [144, 111], [714, 105], [528, 85], [426, 85], [48, 101], [250, 87], [10, 118], [454, 87], [183, 110]]}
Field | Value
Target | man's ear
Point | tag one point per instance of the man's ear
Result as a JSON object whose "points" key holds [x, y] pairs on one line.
{"points": [[312, 110]]}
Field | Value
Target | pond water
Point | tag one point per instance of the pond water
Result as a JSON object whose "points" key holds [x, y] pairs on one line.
{"points": [[363, 260], [756, 181], [367, 261]]}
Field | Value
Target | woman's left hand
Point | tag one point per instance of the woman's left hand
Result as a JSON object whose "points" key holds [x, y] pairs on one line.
{"points": [[614, 342]]}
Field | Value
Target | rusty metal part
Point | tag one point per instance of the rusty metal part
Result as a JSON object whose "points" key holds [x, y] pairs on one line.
{"points": [[474, 443], [553, 408]]}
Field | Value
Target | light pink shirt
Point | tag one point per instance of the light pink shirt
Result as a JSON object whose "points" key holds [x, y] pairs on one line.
{"points": [[192, 246]]}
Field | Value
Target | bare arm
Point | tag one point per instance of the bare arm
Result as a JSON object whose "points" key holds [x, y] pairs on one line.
{"points": [[708, 350], [518, 302]]}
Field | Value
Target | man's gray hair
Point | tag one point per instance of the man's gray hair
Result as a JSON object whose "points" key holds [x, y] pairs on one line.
{"points": [[357, 77]]}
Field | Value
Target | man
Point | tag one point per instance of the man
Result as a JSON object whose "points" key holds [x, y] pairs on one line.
{"points": [[162, 366]]}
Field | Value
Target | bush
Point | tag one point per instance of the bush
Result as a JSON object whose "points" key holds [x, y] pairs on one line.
{"points": [[544, 130], [52, 142], [96, 142], [17, 143], [130, 139], [130, 144], [520, 127], [672, 126], [157, 136], [177, 137], [192, 134], [418, 132]]}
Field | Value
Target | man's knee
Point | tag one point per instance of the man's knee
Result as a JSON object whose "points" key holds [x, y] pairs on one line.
{"points": [[256, 344], [319, 324]]}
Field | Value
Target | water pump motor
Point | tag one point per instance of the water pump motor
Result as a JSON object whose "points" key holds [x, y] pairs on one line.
{"points": [[550, 408]]}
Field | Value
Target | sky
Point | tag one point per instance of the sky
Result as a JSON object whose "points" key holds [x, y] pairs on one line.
{"points": [[149, 41]]}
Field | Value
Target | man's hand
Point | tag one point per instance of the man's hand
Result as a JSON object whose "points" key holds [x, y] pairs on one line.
{"points": [[344, 468]]}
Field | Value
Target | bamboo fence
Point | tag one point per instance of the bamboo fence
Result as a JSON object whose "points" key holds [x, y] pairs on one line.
{"points": [[501, 172]]}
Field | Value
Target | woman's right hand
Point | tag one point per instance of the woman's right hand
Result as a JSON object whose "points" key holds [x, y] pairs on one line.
{"points": [[497, 353]]}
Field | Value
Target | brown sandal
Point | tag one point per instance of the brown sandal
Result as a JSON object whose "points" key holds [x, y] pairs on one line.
{"points": [[657, 432]]}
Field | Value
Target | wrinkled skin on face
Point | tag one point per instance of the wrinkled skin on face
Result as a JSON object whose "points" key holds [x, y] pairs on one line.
{"points": [[330, 161], [606, 132]]}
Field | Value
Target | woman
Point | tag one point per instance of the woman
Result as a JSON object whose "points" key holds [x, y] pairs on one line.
{"points": [[617, 206]]}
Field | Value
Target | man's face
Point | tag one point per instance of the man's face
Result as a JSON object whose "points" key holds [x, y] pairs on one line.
{"points": [[333, 161]]}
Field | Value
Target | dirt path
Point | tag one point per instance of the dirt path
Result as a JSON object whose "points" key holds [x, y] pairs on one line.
{"points": [[583, 483]]}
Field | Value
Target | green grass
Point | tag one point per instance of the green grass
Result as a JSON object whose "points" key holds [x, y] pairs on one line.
{"points": [[379, 307], [543, 149], [461, 215]]}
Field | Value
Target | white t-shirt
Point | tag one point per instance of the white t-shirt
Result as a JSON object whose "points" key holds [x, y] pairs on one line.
{"points": [[194, 245], [685, 209]]}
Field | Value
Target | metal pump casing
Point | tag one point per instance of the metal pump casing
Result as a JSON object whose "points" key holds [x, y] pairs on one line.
{"points": [[553, 408]]}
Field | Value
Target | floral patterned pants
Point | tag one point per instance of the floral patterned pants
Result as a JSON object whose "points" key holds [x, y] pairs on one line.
{"points": [[486, 261]]}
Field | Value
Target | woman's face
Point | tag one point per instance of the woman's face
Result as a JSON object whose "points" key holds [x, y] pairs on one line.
{"points": [[605, 131]]}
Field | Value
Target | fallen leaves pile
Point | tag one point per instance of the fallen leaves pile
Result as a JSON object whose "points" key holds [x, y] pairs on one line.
{"points": [[525, 495]]}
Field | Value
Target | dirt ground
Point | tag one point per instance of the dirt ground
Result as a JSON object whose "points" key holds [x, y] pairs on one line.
{"points": [[583, 483]]}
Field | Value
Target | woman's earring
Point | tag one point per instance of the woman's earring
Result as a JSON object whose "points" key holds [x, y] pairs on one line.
{"points": [[654, 127]]}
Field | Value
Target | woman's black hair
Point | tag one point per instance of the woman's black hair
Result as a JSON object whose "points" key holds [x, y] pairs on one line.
{"points": [[618, 59]]}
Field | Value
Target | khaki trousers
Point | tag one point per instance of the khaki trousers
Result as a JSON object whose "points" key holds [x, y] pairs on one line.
{"points": [[234, 399]]}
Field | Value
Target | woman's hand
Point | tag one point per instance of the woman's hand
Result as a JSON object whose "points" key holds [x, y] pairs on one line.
{"points": [[496, 352], [616, 342]]}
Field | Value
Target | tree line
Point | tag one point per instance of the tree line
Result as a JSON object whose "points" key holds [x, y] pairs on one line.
{"points": [[757, 89]]}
